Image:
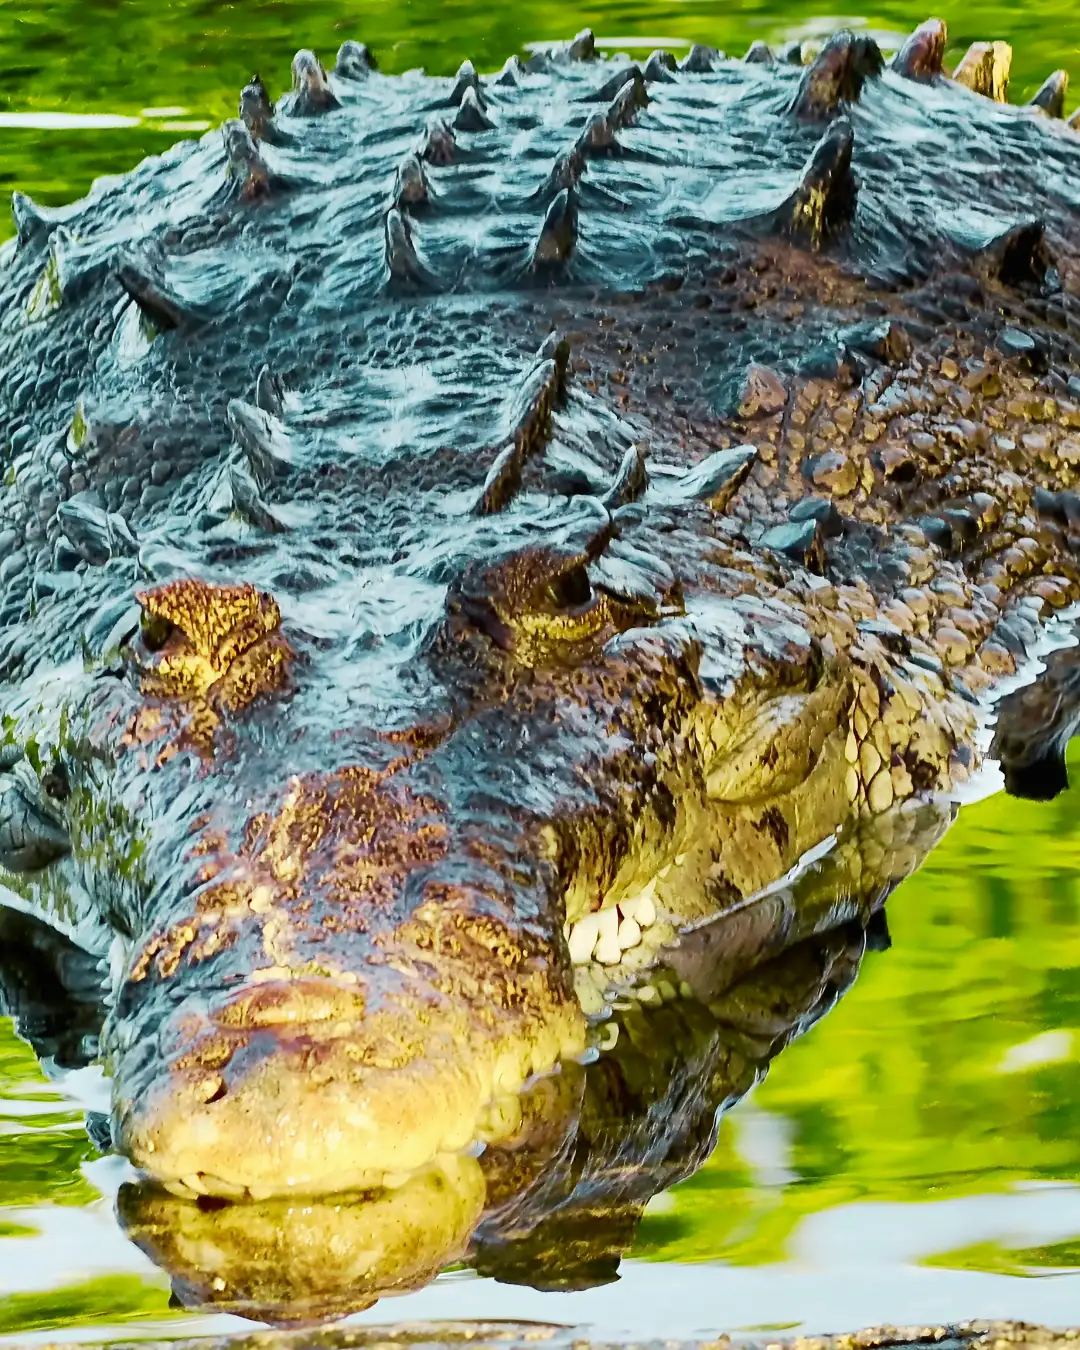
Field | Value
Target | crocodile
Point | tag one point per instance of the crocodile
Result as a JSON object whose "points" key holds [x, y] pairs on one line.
{"points": [[464, 539]]}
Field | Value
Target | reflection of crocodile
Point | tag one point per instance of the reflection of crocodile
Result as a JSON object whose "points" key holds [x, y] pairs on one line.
{"points": [[555, 1199], [545, 531]]}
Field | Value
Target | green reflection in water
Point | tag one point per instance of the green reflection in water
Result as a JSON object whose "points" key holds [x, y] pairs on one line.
{"points": [[112, 1298], [949, 1070], [189, 59]]}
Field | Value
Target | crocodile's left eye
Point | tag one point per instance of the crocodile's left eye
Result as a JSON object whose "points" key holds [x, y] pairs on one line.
{"points": [[569, 590]]}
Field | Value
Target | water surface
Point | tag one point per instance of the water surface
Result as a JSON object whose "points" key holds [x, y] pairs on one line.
{"points": [[916, 1156]]}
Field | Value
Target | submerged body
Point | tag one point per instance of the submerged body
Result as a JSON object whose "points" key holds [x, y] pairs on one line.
{"points": [[459, 534]]}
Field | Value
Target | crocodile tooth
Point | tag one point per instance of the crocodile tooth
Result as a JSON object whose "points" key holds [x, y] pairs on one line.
{"points": [[260, 434], [825, 199], [355, 61], [29, 836], [269, 392], [630, 481], [471, 115], [659, 68], [142, 278], [984, 69], [311, 89], [401, 255], [1050, 97], [559, 232], [612, 87], [715, 480], [836, 76], [759, 54], [246, 164], [920, 56], [700, 60], [256, 108], [439, 145], [583, 46], [790, 54], [410, 186], [511, 73], [465, 79]]}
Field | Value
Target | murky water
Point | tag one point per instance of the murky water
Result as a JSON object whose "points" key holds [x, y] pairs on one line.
{"points": [[915, 1156]]}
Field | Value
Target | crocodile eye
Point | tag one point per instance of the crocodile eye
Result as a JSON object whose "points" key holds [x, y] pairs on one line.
{"points": [[569, 590]]}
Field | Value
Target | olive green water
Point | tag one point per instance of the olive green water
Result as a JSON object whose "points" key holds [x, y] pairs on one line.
{"points": [[917, 1155]]}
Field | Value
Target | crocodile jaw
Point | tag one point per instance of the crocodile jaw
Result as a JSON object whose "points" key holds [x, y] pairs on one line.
{"points": [[344, 1101]]}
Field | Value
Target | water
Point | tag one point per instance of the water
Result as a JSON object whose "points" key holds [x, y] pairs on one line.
{"points": [[914, 1156]]}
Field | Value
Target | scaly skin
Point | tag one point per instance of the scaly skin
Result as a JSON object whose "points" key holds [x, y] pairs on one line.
{"points": [[446, 577]]}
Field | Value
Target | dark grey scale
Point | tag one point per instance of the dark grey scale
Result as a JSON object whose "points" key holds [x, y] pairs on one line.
{"points": [[256, 109], [355, 61], [311, 93], [627, 104], [1026, 350], [439, 146], [565, 173], [700, 60], [920, 56], [964, 525], [1050, 97], [938, 531], [759, 54], [597, 136], [613, 86], [559, 233], [582, 47], [512, 72], [821, 509], [801, 541], [630, 481], [660, 68], [466, 79], [471, 115], [790, 54], [246, 166], [32, 222], [836, 76]]}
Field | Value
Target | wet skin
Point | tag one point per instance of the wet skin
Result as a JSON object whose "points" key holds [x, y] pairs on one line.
{"points": [[459, 533]]}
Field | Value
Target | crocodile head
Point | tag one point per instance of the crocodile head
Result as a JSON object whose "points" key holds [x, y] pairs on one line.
{"points": [[438, 576]]}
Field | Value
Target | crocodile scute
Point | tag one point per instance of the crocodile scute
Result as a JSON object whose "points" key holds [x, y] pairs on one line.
{"points": [[457, 535]]}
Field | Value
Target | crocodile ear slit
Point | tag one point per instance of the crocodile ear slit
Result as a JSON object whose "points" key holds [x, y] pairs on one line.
{"points": [[921, 55]]}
